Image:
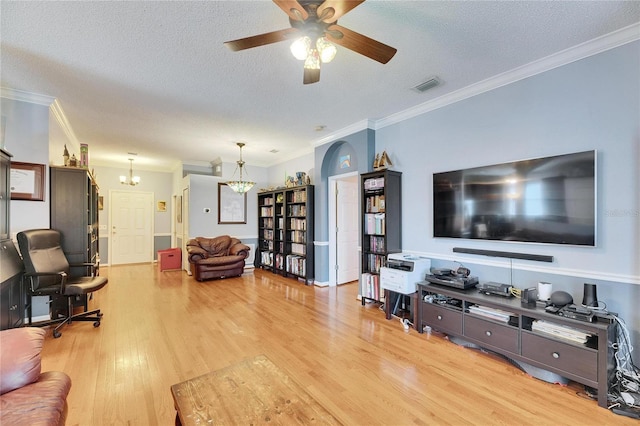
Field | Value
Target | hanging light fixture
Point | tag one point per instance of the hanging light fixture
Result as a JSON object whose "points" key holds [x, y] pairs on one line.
{"points": [[323, 51], [132, 180], [240, 186]]}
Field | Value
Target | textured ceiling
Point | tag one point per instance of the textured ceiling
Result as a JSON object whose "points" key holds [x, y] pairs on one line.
{"points": [[155, 78]]}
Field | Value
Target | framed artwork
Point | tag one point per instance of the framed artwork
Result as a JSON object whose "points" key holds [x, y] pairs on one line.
{"points": [[27, 181], [162, 206], [232, 207], [100, 202]]}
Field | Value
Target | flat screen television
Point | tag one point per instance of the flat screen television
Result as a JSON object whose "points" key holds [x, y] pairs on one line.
{"points": [[542, 200]]}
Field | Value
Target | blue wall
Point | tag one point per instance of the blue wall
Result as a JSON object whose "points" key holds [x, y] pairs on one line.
{"points": [[590, 104], [361, 148]]}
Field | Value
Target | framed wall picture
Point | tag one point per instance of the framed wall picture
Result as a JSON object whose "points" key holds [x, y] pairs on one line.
{"points": [[232, 207], [27, 181]]}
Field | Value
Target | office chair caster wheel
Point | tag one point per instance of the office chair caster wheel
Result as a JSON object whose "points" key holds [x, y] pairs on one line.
{"points": [[96, 324], [56, 334]]}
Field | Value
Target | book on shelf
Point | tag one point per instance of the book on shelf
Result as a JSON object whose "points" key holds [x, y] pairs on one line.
{"points": [[298, 249], [374, 223], [296, 265], [297, 210], [267, 258], [370, 286], [491, 313], [560, 331], [375, 203], [376, 244], [299, 196]]}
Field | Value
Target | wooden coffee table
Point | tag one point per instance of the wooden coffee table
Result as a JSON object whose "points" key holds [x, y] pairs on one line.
{"points": [[253, 391]]}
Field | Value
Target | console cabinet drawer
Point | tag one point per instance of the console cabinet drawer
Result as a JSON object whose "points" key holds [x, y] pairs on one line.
{"points": [[492, 334], [582, 362], [442, 319]]}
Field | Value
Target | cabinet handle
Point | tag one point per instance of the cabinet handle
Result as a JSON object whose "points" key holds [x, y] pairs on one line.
{"points": [[439, 317], [488, 333], [556, 355]]}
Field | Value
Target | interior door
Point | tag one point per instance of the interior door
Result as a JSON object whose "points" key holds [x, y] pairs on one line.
{"points": [[131, 227], [346, 230]]}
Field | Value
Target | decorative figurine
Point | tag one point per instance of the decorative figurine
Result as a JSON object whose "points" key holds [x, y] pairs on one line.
{"points": [[65, 156], [384, 161], [376, 162], [73, 162]]}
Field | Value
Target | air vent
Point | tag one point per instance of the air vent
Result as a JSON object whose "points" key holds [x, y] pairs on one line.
{"points": [[429, 84]]}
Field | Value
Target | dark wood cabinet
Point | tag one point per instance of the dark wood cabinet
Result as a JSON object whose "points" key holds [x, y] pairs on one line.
{"points": [[380, 228], [12, 297], [74, 212], [285, 231], [5, 193], [505, 326]]}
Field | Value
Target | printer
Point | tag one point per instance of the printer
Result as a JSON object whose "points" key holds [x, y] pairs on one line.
{"points": [[403, 272]]}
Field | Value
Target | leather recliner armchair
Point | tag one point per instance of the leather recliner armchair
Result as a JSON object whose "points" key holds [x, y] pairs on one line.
{"points": [[217, 257], [27, 395]]}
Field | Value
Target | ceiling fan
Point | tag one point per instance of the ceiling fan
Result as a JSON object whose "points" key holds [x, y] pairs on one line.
{"points": [[314, 26]]}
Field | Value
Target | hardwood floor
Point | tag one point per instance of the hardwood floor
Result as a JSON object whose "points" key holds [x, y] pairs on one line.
{"points": [[161, 328]]}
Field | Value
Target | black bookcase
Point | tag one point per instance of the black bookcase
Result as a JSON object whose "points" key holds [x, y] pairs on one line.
{"points": [[285, 232], [381, 230], [74, 212]]}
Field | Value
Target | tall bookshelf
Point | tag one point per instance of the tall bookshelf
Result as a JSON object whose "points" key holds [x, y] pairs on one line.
{"points": [[285, 232], [381, 227]]}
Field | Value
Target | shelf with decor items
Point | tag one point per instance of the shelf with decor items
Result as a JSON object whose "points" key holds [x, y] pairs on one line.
{"points": [[381, 196], [285, 231]]}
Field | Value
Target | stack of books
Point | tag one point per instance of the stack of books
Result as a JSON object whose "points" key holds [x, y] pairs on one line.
{"points": [[560, 331], [491, 313]]}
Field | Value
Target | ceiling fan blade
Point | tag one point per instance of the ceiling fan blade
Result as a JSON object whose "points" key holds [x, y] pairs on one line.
{"points": [[311, 76], [360, 44], [339, 6], [262, 39], [288, 5]]}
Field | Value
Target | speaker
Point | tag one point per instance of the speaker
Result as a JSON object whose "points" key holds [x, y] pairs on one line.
{"points": [[560, 298], [590, 297]]}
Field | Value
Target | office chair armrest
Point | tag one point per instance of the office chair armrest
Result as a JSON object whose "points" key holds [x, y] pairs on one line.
{"points": [[61, 274], [94, 266]]}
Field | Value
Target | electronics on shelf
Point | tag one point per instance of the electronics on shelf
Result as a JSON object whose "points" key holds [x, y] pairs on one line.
{"points": [[403, 272], [459, 279]]}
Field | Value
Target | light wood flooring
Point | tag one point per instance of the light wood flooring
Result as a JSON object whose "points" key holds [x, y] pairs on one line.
{"points": [[161, 328]]}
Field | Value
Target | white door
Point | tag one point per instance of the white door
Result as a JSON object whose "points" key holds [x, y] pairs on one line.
{"points": [[185, 229], [131, 227], [344, 226]]}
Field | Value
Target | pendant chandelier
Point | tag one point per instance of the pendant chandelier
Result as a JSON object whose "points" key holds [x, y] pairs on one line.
{"points": [[131, 180], [240, 186]]}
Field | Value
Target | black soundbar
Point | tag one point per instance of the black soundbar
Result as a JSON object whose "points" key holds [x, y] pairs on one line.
{"points": [[511, 255]]}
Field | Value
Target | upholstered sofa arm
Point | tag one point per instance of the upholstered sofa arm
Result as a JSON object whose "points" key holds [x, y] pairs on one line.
{"points": [[20, 357], [239, 249], [196, 252]]}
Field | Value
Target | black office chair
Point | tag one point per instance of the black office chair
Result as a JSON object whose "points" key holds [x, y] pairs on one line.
{"points": [[47, 274]]}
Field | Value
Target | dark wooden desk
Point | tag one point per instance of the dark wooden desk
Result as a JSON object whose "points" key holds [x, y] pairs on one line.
{"points": [[413, 302], [254, 391]]}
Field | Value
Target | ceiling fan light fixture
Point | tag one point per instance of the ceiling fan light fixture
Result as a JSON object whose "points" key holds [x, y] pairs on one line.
{"points": [[300, 48], [327, 49], [313, 60]]}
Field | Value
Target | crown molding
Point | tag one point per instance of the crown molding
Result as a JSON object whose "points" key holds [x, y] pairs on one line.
{"points": [[61, 118], [609, 41], [22, 96], [346, 131]]}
